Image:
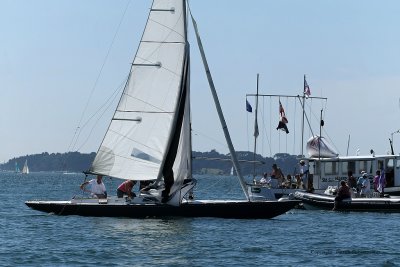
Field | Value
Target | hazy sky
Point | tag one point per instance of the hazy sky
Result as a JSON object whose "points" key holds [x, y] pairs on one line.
{"points": [[52, 55]]}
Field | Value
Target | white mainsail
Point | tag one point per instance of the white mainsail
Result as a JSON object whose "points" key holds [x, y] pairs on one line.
{"points": [[150, 130], [25, 169]]}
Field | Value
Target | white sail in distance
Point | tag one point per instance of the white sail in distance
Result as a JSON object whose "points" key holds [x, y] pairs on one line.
{"points": [[25, 169], [150, 127]]}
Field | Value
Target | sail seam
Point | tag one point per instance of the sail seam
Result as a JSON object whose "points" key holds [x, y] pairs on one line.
{"points": [[142, 111], [145, 102], [163, 42], [129, 158], [135, 141], [171, 29]]}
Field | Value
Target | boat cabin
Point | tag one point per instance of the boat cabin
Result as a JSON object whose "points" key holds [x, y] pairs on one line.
{"points": [[326, 172]]}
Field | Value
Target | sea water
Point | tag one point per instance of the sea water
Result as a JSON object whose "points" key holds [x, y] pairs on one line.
{"points": [[297, 238]]}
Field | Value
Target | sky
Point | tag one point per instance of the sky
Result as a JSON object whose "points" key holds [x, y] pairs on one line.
{"points": [[63, 62]]}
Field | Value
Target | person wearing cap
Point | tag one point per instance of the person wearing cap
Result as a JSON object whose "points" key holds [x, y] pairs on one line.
{"points": [[360, 181], [304, 174], [343, 193], [365, 185], [96, 187]]}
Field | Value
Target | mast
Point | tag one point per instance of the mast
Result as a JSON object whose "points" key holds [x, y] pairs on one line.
{"points": [[255, 135], [220, 114]]}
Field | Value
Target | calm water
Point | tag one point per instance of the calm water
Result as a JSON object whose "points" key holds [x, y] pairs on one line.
{"points": [[298, 238]]}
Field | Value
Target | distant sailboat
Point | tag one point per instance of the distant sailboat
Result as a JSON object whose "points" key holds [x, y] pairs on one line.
{"points": [[25, 169], [17, 167]]}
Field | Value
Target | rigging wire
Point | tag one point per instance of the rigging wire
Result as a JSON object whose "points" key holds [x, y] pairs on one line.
{"points": [[247, 123], [264, 128], [78, 129], [294, 127], [279, 132], [106, 106], [198, 133], [286, 136], [270, 124]]}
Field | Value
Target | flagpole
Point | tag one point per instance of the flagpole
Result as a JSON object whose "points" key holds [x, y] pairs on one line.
{"points": [[320, 136], [302, 121], [255, 134]]}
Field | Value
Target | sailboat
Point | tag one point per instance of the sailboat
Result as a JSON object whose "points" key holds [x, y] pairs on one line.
{"points": [[149, 137], [25, 169], [16, 169]]}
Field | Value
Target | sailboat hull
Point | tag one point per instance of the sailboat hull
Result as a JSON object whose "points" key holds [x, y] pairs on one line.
{"points": [[220, 209]]}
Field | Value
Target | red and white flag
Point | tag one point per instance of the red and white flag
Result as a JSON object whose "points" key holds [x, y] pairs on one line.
{"points": [[307, 91]]}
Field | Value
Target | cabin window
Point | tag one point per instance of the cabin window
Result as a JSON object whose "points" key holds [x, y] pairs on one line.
{"points": [[397, 163], [330, 167], [365, 165], [380, 165], [390, 163], [348, 166], [315, 168]]}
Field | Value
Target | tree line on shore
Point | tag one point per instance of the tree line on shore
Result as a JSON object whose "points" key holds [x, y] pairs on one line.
{"points": [[211, 162]]}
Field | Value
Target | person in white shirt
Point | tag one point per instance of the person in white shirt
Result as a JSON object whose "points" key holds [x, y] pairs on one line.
{"points": [[365, 186], [96, 187]]}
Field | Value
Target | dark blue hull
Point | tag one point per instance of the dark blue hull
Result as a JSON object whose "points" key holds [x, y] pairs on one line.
{"points": [[220, 209]]}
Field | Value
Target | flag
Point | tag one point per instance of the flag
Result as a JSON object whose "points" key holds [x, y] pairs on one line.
{"points": [[281, 110], [307, 91], [248, 106], [381, 181], [283, 120], [256, 133]]}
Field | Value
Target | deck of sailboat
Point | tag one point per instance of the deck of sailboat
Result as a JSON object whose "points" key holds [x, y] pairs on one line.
{"points": [[198, 208]]}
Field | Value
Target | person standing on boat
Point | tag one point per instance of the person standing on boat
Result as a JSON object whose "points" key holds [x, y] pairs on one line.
{"points": [[276, 176], [365, 185], [360, 181], [376, 180], [381, 183], [351, 180], [126, 189], [304, 174], [97, 188], [343, 193]]}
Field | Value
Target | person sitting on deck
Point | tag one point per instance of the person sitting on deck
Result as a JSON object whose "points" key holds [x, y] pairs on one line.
{"points": [[343, 193], [126, 189], [298, 181], [97, 188], [288, 181], [265, 180]]}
